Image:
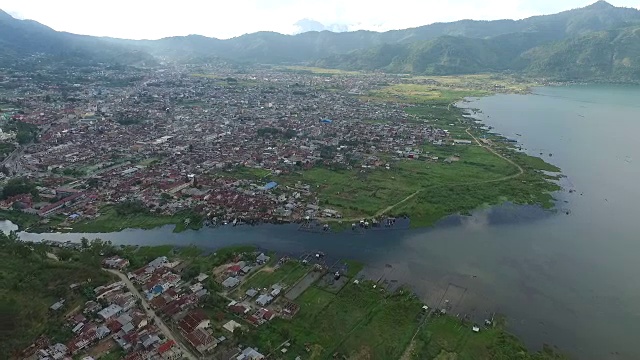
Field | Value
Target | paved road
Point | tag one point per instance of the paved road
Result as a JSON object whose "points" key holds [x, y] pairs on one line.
{"points": [[158, 321]]}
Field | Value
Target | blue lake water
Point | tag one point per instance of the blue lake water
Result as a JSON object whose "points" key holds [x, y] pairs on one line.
{"points": [[569, 280]]}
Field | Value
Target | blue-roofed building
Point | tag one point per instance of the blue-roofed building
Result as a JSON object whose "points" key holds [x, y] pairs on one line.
{"points": [[270, 185]]}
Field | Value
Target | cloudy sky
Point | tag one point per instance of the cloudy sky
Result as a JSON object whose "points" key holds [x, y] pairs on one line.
{"points": [[152, 19]]}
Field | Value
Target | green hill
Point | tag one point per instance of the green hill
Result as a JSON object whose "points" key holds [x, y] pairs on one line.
{"points": [[24, 38], [597, 42], [607, 55], [30, 282]]}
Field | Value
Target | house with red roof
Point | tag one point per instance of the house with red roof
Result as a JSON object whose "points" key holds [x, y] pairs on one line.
{"points": [[195, 319], [201, 340]]}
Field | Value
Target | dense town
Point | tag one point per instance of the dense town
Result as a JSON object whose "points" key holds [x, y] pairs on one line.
{"points": [[176, 140]]}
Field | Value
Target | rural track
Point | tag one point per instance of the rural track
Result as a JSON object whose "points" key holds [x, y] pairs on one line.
{"points": [[520, 169]]}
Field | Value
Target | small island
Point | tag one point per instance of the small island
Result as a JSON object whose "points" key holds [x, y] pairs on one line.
{"points": [[276, 144], [115, 302]]}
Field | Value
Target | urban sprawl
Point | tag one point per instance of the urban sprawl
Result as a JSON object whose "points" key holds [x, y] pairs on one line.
{"points": [[175, 140]]}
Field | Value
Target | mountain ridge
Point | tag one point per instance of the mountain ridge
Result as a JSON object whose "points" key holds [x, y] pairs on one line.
{"points": [[462, 46]]}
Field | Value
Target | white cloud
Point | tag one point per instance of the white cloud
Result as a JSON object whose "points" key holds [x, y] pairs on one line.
{"points": [[224, 19]]}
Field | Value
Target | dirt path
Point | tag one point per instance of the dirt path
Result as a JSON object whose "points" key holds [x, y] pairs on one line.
{"points": [[520, 169], [488, 148], [157, 320], [412, 344], [73, 311], [389, 208], [409, 351]]}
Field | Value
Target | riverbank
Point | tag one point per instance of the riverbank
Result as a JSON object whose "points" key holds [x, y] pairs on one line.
{"points": [[473, 168], [353, 316], [516, 260]]}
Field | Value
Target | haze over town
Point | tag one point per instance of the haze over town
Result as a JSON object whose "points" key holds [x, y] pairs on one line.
{"points": [[226, 19]]}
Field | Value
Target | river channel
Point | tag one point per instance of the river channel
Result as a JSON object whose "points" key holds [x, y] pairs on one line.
{"points": [[569, 277]]}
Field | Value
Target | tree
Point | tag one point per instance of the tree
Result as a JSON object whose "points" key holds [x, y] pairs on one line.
{"points": [[191, 272], [19, 186], [84, 242], [65, 254]]}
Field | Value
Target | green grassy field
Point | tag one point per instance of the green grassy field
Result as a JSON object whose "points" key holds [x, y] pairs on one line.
{"points": [[449, 188], [319, 71], [354, 267], [361, 322], [110, 221], [248, 173], [447, 338], [419, 94], [23, 220], [434, 189], [287, 274], [343, 323]]}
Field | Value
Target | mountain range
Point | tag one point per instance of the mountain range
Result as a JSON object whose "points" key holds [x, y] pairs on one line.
{"points": [[597, 42]]}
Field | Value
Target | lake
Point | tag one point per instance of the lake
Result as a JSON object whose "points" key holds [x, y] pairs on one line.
{"points": [[572, 280]]}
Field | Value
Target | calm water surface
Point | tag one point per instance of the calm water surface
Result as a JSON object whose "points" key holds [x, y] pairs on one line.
{"points": [[569, 280]]}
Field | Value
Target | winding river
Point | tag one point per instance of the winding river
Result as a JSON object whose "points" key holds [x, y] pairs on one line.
{"points": [[569, 278]]}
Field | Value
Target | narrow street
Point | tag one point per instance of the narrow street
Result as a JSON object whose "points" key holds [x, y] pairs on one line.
{"points": [[157, 320]]}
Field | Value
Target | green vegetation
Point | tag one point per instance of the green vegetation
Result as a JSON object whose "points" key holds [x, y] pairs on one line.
{"points": [[360, 321], [354, 267], [133, 215], [30, 282], [447, 338], [364, 322], [597, 42], [25, 132], [6, 149], [287, 274], [416, 93], [21, 219], [444, 179], [114, 355], [319, 70], [249, 173], [17, 186], [433, 189]]}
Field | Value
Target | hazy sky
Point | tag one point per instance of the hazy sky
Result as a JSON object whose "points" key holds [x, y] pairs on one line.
{"points": [[152, 19]]}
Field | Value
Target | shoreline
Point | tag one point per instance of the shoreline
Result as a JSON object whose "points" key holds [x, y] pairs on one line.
{"points": [[387, 292], [473, 127]]}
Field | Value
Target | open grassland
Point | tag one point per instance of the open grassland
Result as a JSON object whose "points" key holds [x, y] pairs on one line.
{"points": [[422, 93], [320, 71], [359, 318], [287, 274], [447, 338], [449, 89], [110, 221], [433, 188], [363, 322], [486, 82]]}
